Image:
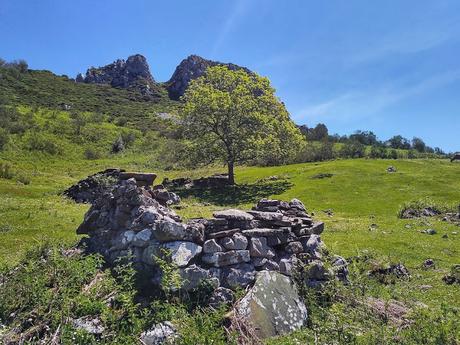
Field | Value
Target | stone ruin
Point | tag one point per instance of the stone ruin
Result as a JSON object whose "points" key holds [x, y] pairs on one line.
{"points": [[133, 220]]}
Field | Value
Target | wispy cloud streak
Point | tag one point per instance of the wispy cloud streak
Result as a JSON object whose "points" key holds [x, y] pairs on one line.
{"points": [[362, 104], [238, 11]]}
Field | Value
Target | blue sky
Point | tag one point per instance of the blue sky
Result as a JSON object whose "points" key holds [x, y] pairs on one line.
{"points": [[388, 66]]}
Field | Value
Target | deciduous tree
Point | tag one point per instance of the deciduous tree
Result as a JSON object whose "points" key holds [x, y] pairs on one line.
{"points": [[234, 117]]}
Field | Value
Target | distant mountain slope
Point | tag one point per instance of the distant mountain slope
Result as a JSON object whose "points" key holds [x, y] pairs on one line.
{"points": [[43, 88]]}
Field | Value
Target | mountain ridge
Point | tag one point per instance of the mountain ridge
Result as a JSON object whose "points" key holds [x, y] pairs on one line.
{"points": [[134, 73]]}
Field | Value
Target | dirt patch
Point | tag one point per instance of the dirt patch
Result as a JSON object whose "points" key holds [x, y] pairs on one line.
{"points": [[392, 311]]}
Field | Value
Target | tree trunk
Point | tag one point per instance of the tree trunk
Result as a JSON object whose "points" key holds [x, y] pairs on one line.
{"points": [[231, 174]]}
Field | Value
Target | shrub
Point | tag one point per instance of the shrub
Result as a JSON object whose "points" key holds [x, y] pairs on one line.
{"points": [[6, 171], [315, 152], [393, 154], [23, 66], [128, 137], [118, 145], [352, 149], [91, 154], [4, 138], [43, 142], [121, 121], [24, 179], [377, 152]]}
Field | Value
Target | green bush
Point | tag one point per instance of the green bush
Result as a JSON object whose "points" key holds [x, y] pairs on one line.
{"points": [[6, 170], [118, 145], [22, 178], [353, 149], [92, 154], [48, 143], [4, 138], [51, 286], [315, 152]]}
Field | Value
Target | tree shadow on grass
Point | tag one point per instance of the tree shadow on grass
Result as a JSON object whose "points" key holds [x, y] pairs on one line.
{"points": [[238, 194]]}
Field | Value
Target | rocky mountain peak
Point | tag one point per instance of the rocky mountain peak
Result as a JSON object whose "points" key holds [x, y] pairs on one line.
{"points": [[133, 73], [191, 68]]}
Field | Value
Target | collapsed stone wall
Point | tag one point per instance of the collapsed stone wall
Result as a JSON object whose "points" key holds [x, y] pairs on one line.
{"points": [[227, 249]]}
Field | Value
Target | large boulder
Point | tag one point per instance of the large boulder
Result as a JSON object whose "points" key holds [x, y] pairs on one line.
{"points": [[272, 306]]}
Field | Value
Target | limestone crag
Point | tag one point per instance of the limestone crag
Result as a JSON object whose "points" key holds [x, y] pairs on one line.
{"points": [[227, 250], [133, 73], [191, 68]]}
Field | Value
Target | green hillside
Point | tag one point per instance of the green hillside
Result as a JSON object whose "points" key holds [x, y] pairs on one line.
{"points": [[45, 89]]}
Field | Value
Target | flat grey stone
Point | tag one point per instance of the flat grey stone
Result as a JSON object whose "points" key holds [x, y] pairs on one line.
{"points": [[182, 251], [142, 238], [226, 258], [211, 246], [258, 248], [233, 214]]}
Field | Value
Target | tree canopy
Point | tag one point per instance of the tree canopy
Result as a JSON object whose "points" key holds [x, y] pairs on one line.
{"points": [[234, 117]]}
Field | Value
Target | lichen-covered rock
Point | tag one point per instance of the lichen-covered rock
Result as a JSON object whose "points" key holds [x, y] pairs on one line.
{"points": [[161, 334], [272, 305], [240, 275], [233, 214], [221, 296], [258, 248], [211, 246], [314, 246], [182, 252], [142, 238], [171, 231], [235, 242], [193, 275], [222, 259]]}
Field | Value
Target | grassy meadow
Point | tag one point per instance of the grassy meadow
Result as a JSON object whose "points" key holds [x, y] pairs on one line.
{"points": [[359, 205]]}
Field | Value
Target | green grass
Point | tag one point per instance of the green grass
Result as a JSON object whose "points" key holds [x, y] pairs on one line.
{"points": [[360, 193]]}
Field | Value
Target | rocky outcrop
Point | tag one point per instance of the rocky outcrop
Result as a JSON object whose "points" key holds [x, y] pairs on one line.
{"points": [[227, 250], [191, 68], [133, 73]]}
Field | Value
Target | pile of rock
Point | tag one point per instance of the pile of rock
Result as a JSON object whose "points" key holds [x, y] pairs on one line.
{"points": [[102, 183], [92, 187], [227, 250]]}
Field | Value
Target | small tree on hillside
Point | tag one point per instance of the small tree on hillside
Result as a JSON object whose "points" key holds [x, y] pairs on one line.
{"points": [[418, 144], [234, 117]]}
